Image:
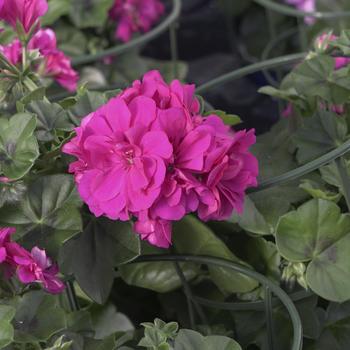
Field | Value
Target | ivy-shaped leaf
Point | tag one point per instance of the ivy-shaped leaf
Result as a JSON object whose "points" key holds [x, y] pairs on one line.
{"points": [[38, 317], [93, 13], [18, 145], [316, 77], [50, 116], [93, 256], [318, 233], [193, 237], [191, 340], [319, 135], [48, 215], [7, 313]]}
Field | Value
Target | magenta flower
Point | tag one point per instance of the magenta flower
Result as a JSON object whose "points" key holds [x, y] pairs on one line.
{"points": [[135, 16], [29, 267], [5, 234], [26, 12], [305, 6], [37, 267], [148, 154], [55, 64]]}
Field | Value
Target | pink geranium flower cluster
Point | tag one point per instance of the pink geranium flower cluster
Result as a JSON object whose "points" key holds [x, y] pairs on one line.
{"points": [[148, 155], [29, 267], [305, 6], [135, 16], [26, 12], [54, 64]]}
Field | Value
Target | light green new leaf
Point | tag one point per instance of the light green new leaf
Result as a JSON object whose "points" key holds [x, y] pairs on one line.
{"points": [[228, 119], [193, 237], [317, 232], [18, 145], [190, 340]]}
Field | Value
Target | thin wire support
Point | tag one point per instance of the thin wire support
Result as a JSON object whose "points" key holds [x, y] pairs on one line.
{"points": [[71, 296], [269, 318], [253, 68], [290, 11], [119, 49], [297, 339], [174, 49]]}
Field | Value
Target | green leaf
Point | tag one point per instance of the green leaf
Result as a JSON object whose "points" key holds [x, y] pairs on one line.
{"points": [[60, 344], [6, 334], [191, 340], [317, 232], [7, 313], [335, 332], [107, 321], [18, 146], [93, 256], [252, 220], [316, 77], [50, 116], [38, 317], [228, 119], [342, 42], [318, 190], [190, 236], [105, 344], [87, 103], [72, 41], [160, 277], [319, 135], [56, 10], [48, 215], [37, 94], [89, 14]]}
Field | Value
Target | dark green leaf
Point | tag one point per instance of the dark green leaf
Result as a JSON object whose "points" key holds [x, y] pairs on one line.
{"points": [[320, 134], [48, 215], [193, 237], [93, 256], [50, 116], [93, 13], [18, 146], [38, 317]]}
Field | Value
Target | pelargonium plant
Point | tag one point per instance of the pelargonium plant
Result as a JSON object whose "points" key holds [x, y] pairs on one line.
{"points": [[93, 184], [141, 159]]}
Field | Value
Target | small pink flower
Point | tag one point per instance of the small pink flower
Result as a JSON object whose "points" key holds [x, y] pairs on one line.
{"points": [[37, 267], [148, 154], [134, 16], [29, 267], [305, 6], [26, 12], [55, 63]]}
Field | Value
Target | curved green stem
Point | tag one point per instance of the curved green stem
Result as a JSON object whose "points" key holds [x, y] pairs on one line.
{"points": [[162, 27], [274, 288]]}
